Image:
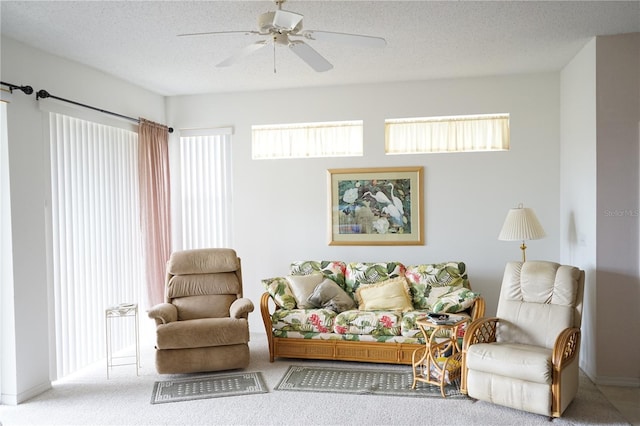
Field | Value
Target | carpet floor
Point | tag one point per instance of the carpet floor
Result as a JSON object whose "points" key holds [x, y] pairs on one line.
{"points": [[89, 398]]}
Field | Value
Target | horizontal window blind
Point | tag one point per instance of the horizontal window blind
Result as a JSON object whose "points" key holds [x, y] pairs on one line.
{"points": [[306, 140], [447, 134], [96, 240]]}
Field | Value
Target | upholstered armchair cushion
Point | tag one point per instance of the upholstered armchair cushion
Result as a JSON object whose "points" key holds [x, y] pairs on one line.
{"points": [[524, 362], [200, 261], [537, 302], [202, 333]]}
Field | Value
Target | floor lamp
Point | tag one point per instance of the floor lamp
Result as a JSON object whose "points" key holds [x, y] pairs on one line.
{"points": [[521, 224]]}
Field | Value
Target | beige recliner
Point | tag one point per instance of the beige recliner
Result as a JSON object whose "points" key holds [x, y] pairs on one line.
{"points": [[203, 324], [527, 357]]}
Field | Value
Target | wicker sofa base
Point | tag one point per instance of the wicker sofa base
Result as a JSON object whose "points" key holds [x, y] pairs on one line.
{"points": [[342, 350]]}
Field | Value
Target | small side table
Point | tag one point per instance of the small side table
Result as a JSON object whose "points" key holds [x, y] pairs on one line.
{"points": [[429, 363], [124, 310]]}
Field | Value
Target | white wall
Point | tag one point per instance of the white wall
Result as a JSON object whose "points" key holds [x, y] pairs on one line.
{"points": [[600, 112], [281, 205], [578, 186], [618, 278], [29, 177]]}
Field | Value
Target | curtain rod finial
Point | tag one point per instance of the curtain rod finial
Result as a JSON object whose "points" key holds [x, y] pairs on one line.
{"points": [[42, 94]]}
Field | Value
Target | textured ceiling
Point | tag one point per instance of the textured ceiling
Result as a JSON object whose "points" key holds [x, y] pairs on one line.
{"points": [[137, 40]]}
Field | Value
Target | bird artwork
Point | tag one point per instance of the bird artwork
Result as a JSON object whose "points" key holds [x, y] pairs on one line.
{"points": [[396, 201], [374, 206], [380, 197], [395, 214]]}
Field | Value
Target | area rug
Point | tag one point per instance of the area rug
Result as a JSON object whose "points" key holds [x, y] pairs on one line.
{"points": [[361, 381], [210, 386]]}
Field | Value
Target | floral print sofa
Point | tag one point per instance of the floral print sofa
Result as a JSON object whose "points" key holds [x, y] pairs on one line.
{"points": [[361, 311]]}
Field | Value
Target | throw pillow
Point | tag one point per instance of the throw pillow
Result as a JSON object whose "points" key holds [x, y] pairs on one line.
{"points": [[302, 286], [279, 290], [390, 295], [435, 292], [329, 295], [455, 301]]}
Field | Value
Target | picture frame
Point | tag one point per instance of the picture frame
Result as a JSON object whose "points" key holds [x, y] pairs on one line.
{"points": [[376, 206]]}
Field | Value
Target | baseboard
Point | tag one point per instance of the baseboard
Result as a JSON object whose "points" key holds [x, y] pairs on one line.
{"points": [[631, 382], [15, 399]]}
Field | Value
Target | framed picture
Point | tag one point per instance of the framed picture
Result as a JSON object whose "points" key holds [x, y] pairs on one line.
{"points": [[376, 206]]}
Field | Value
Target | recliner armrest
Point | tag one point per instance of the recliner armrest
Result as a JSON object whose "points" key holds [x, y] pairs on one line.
{"points": [[482, 330], [163, 313], [566, 347], [240, 308]]}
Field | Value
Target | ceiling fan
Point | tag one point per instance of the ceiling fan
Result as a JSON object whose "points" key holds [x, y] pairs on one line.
{"points": [[284, 28]]}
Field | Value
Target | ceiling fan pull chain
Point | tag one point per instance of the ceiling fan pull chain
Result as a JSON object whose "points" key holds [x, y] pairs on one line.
{"points": [[274, 57]]}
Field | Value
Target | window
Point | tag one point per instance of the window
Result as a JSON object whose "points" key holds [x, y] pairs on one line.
{"points": [[447, 134], [205, 186], [96, 238], [305, 140]]}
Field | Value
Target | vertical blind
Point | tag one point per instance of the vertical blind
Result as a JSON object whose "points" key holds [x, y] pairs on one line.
{"points": [[206, 201], [96, 238], [303, 140], [489, 132]]}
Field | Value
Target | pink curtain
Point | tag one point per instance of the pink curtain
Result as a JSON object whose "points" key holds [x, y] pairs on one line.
{"points": [[155, 204]]}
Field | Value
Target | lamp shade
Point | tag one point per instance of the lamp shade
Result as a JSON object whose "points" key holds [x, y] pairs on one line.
{"points": [[521, 224]]}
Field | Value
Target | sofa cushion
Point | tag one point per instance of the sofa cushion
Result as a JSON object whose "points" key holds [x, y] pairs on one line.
{"points": [[391, 295], [332, 269], [357, 273], [330, 295], [302, 287], [425, 278], [280, 292], [303, 320], [454, 301], [376, 323]]}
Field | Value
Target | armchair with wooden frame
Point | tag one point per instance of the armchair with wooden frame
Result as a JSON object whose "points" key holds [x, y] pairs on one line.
{"points": [[527, 357]]}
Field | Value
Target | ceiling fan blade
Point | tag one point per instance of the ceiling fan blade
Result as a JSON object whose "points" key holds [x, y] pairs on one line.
{"points": [[355, 39], [310, 56], [218, 33], [245, 51]]}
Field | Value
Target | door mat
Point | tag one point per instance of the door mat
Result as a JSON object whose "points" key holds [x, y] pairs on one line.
{"points": [[361, 381], [210, 386]]}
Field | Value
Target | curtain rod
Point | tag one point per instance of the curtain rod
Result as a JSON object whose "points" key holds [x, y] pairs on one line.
{"points": [[43, 94], [27, 90]]}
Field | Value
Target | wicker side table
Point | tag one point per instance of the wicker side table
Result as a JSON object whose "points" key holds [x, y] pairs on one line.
{"points": [[430, 364]]}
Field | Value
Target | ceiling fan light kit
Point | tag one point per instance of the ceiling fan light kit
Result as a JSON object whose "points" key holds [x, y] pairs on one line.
{"points": [[282, 27], [280, 20]]}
